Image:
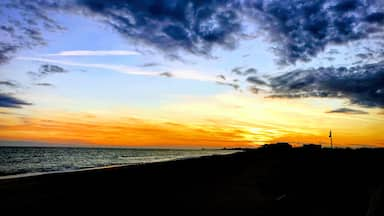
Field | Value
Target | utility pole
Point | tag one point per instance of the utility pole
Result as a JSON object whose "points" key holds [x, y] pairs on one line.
{"points": [[330, 138]]}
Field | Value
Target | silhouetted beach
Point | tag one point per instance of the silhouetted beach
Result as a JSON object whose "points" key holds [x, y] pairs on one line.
{"points": [[267, 181]]}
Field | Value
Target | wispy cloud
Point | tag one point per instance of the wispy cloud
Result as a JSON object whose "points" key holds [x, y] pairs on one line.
{"points": [[117, 68], [9, 83], [179, 74], [95, 53], [44, 84], [221, 76], [166, 74], [149, 64], [46, 70], [256, 80], [347, 111], [239, 71], [233, 85]]}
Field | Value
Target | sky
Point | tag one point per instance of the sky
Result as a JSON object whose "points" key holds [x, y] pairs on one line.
{"points": [[189, 73]]}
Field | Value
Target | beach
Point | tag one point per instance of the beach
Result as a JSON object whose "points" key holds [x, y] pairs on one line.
{"points": [[254, 182]]}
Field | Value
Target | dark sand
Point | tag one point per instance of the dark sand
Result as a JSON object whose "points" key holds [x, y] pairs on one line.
{"points": [[258, 182]]}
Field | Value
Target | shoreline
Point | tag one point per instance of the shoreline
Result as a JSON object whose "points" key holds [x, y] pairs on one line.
{"points": [[260, 182], [26, 175]]}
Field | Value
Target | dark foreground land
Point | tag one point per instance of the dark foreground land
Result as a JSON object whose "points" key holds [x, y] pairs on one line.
{"points": [[258, 182]]}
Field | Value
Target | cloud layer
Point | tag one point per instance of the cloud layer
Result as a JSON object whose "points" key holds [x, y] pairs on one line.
{"points": [[297, 29], [192, 26], [302, 29], [362, 85]]}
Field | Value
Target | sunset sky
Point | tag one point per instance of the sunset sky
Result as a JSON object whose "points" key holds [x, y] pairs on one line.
{"points": [[158, 73]]}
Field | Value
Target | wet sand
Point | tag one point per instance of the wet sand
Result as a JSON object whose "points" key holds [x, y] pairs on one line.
{"points": [[256, 182]]}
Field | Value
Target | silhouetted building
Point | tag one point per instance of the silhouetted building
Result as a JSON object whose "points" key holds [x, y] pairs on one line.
{"points": [[278, 146], [311, 146]]}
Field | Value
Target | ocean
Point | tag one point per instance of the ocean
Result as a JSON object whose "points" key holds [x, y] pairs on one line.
{"points": [[25, 161]]}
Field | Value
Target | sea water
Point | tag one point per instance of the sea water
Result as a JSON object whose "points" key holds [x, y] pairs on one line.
{"points": [[22, 161]]}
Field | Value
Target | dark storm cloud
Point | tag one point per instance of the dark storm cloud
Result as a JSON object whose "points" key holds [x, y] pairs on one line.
{"points": [[377, 17], [298, 29], [9, 101], [347, 111], [362, 85], [301, 29], [193, 26], [346, 5], [166, 74], [22, 24]]}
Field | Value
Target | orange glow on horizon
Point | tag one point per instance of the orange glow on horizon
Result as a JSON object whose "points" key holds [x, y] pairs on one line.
{"points": [[223, 121], [133, 132]]}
